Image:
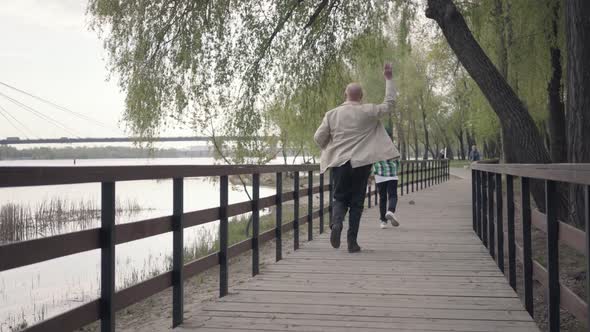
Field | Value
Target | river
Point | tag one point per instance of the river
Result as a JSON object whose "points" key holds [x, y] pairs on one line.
{"points": [[38, 291]]}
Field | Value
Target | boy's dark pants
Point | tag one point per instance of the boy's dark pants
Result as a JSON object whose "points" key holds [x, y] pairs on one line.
{"points": [[387, 196]]}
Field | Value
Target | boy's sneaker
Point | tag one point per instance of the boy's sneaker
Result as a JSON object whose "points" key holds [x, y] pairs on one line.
{"points": [[392, 218], [383, 224]]}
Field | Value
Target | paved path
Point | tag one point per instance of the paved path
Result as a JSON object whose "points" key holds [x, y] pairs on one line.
{"points": [[431, 274]]}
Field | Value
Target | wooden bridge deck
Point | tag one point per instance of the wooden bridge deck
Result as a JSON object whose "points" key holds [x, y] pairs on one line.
{"points": [[431, 274]]}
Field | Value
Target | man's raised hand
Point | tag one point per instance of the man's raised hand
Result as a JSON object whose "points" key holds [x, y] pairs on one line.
{"points": [[388, 71]]}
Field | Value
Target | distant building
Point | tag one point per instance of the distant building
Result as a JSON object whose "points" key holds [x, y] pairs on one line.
{"points": [[13, 138]]}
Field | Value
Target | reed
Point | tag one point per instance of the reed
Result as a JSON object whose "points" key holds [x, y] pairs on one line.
{"points": [[20, 222]]}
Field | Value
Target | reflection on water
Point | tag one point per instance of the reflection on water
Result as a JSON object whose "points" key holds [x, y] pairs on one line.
{"points": [[35, 292]]}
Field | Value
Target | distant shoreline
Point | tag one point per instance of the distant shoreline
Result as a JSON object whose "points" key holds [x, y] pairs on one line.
{"points": [[106, 152]]}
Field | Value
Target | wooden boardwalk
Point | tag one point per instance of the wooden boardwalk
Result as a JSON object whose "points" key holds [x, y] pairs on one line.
{"points": [[430, 274]]}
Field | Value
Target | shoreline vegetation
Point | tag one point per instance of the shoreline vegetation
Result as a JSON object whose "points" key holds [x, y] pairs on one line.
{"points": [[102, 152], [20, 222]]}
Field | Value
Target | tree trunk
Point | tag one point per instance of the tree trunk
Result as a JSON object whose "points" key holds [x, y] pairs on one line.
{"points": [[556, 125], [408, 152], [517, 123], [461, 144], [402, 141], [416, 145], [426, 143], [521, 137], [470, 139], [498, 14], [577, 13]]}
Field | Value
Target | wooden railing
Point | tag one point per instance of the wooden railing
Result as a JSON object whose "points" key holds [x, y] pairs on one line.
{"points": [[488, 212], [105, 238], [415, 175]]}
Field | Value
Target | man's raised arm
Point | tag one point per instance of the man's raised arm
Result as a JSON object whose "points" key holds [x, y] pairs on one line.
{"points": [[390, 94]]}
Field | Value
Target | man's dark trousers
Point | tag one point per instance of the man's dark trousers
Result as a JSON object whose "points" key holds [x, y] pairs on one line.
{"points": [[350, 187]]}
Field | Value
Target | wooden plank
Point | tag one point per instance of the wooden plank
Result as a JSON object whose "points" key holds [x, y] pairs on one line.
{"points": [[304, 322], [70, 320], [23, 253], [430, 274], [356, 310], [376, 300], [479, 292], [53, 175]]}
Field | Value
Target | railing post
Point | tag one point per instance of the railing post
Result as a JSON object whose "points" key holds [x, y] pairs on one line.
{"points": [[408, 178], [296, 211], [552, 255], [422, 175], [107, 257], [510, 225], [368, 194], [491, 221], [437, 172], [484, 208], [435, 181], [177, 251], [479, 221], [331, 198], [401, 177], [413, 163], [223, 235], [279, 218], [587, 221], [255, 223], [376, 193], [431, 178], [474, 200], [500, 221], [430, 169], [310, 206], [527, 245], [427, 174], [322, 202]]}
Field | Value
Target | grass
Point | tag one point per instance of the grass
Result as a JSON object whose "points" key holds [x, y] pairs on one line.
{"points": [[459, 163], [209, 243], [20, 222]]}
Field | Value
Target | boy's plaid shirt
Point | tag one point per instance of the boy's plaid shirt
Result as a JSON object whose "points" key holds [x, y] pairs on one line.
{"points": [[385, 168]]}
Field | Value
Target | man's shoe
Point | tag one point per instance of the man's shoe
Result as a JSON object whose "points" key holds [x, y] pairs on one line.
{"points": [[354, 248], [335, 235], [383, 224], [392, 218]]}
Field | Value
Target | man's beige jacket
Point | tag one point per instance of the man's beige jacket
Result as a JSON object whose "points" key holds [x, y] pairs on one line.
{"points": [[352, 132]]}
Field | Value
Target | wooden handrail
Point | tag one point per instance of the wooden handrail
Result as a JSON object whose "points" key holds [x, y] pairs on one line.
{"points": [[569, 173], [28, 252], [488, 212]]}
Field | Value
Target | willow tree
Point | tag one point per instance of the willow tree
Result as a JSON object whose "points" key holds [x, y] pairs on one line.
{"points": [[217, 63], [297, 115]]}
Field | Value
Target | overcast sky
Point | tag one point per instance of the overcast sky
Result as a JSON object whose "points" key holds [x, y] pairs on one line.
{"points": [[47, 49]]}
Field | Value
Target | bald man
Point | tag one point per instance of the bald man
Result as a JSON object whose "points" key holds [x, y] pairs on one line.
{"points": [[352, 138]]}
